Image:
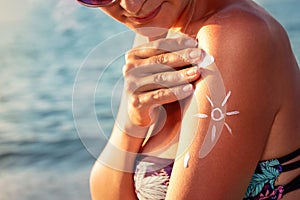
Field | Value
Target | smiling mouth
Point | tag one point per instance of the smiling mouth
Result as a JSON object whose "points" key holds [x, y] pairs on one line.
{"points": [[147, 18]]}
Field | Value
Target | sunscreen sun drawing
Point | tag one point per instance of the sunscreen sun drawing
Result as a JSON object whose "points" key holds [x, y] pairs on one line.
{"points": [[217, 115]]}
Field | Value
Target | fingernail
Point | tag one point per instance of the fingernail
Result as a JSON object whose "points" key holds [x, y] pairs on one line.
{"points": [[192, 71], [191, 43], [196, 53], [187, 88]]}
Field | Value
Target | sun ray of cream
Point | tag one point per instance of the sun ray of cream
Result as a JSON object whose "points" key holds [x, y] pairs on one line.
{"points": [[222, 115], [226, 98], [232, 113], [213, 133], [186, 160], [228, 128], [210, 101], [201, 115]]}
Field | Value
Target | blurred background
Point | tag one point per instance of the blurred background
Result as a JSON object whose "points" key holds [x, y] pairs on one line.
{"points": [[43, 47]]}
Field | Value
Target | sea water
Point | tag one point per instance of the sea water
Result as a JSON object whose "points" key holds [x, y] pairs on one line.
{"points": [[43, 47]]}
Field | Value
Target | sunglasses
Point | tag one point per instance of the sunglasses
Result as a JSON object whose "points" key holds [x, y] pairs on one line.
{"points": [[96, 3]]}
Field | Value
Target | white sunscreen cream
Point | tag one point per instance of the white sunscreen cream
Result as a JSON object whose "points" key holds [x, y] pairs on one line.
{"points": [[217, 99], [186, 160]]}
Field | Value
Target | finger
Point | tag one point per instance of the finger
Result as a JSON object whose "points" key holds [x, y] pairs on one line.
{"points": [[161, 46], [140, 69], [164, 62], [162, 96], [175, 59], [167, 79]]}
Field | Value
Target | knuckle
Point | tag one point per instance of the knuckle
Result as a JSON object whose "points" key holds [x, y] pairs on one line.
{"points": [[177, 76], [127, 56], [174, 77], [130, 54], [159, 94], [182, 56], [185, 55], [136, 101], [161, 59], [130, 86], [168, 78], [187, 52], [160, 78], [177, 92], [127, 68]]}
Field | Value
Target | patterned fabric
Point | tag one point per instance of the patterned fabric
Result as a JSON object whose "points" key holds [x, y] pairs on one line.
{"points": [[152, 176], [263, 180]]}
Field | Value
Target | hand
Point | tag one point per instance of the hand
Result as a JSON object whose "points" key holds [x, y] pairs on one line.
{"points": [[158, 73]]}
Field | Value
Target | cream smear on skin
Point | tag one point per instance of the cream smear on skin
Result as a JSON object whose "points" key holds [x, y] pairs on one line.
{"points": [[217, 99]]}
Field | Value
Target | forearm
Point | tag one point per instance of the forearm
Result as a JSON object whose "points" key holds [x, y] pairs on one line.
{"points": [[112, 174], [144, 90]]}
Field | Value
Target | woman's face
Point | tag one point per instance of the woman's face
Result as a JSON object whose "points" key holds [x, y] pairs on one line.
{"points": [[137, 14]]}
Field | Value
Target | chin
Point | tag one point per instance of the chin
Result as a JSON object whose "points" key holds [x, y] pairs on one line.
{"points": [[152, 32], [156, 28]]}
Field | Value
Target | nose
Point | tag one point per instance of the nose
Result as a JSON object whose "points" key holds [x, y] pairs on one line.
{"points": [[132, 6]]}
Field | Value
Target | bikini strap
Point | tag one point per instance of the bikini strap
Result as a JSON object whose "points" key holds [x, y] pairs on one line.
{"points": [[293, 185], [286, 158], [289, 157], [290, 166]]}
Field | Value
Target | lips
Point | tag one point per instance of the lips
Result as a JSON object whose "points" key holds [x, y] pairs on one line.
{"points": [[146, 18]]}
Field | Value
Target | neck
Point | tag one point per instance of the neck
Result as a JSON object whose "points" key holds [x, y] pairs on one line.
{"points": [[185, 17], [182, 23], [197, 11]]}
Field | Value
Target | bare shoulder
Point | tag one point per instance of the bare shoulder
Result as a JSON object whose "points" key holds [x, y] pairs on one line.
{"points": [[254, 55], [244, 41], [240, 29]]}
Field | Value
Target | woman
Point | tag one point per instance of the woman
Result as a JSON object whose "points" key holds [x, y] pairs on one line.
{"points": [[245, 106]]}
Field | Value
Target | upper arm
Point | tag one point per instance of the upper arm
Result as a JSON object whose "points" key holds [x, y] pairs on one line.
{"points": [[243, 56]]}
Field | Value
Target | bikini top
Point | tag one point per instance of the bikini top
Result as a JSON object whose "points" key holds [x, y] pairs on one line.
{"points": [[152, 176]]}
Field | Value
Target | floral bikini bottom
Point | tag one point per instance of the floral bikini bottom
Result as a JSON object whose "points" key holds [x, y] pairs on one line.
{"points": [[152, 175]]}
